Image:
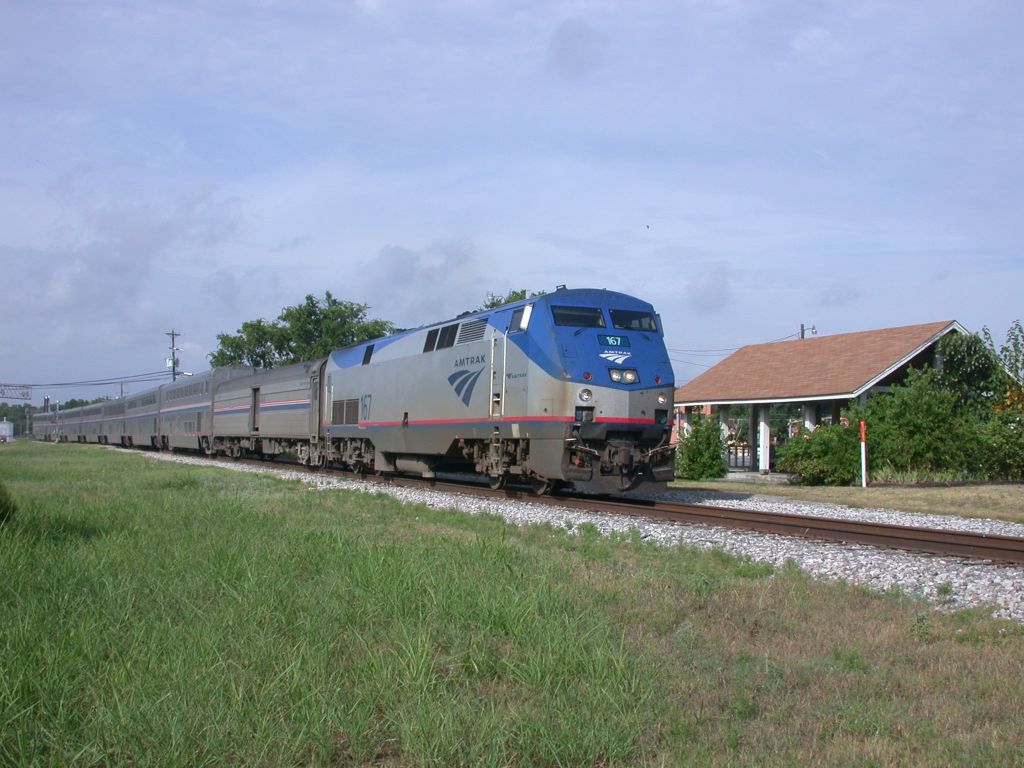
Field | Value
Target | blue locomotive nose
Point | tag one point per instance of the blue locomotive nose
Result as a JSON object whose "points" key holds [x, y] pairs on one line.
{"points": [[611, 347]]}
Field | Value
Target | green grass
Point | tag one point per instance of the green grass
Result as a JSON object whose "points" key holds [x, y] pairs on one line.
{"points": [[159, 614]]}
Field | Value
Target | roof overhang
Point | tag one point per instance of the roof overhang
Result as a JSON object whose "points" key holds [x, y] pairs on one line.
{"points": [[768, 401], [953, 326], [819, 397]]}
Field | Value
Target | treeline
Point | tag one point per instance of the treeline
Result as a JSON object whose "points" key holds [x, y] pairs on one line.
{"points": [[17, 415], [314, 329]]}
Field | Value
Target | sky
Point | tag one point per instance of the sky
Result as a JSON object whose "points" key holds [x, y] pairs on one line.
{"points": [[744, 166]]}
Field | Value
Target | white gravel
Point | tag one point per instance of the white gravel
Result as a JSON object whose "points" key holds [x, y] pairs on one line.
{"points": [[949, 583]]}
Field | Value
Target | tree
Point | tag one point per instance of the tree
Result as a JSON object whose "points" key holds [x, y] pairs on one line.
{"points": [[1011, 358], [971, 370], [305, 331], [494, 300]]}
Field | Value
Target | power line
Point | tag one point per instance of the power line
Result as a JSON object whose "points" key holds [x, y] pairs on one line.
{"points": [[689, 362], [137, 378], [713, 351]]}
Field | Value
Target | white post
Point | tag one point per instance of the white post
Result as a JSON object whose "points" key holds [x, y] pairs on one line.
{"points": [[764, 442], [810, 416], [863, 455], [751, 437]]}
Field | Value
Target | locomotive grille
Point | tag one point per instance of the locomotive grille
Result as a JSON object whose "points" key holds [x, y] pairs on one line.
{"points": [[473, 330], [345, 411]]}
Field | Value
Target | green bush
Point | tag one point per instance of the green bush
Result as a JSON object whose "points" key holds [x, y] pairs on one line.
{"points": [[699, 454], [7, 507], [919, 432], [1002, 440], [830, 455], [918, 427]]}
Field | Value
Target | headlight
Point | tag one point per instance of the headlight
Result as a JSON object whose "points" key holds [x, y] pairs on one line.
{"points": [[586, 395], [624, 375], [662, 398]]}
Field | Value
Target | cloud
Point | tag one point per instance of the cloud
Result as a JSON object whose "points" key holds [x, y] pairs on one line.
{"points": [[575, 50], [709, 288], [839, 295], [413, 287]]}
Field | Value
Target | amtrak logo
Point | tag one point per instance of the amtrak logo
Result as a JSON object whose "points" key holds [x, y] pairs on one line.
{"points": [[616, 357], [464, 382]]}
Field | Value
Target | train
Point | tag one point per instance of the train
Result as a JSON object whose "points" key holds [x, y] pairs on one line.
{"points": [[571, 389]]}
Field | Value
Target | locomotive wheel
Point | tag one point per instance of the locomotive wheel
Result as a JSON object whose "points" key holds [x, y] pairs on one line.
{"points": [[496, 482], [541, 486], [629, 483]]}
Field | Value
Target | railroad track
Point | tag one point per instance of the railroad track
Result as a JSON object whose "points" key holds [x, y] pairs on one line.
{"points": [[977, 546]]}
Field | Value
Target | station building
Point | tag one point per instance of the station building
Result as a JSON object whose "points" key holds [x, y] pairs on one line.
{"points": [[817, 376]]}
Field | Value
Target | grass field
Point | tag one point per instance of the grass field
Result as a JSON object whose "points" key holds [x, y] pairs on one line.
{"points": [[158, 614], [1000, 501]]}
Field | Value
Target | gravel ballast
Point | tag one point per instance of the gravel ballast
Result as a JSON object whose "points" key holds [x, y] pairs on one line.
{"points": [[949, 583]]}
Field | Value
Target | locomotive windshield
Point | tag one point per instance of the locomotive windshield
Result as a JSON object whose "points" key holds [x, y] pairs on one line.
{"points": [[629, 320], [578, 317]]}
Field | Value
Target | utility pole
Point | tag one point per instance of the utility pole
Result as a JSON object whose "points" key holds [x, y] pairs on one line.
{"points": [[803, 330], [174, 358]]}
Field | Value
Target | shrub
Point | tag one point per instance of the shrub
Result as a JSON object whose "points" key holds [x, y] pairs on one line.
{"points": [[830, 455], [918, 427], [7, 507], [699, 454], [1002, 440]]}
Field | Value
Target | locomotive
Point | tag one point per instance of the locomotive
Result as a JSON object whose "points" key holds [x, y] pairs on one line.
{"points": [[569, 389]]}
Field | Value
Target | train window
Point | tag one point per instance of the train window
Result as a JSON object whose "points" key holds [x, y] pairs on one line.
{"points": [[447, 336], [578, 317], [630, 320], [431, 342], [367, 354], [520, 319]]}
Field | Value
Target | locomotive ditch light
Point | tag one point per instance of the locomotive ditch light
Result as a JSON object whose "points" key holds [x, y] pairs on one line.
{"points": [[662, 398], [586, 395]]}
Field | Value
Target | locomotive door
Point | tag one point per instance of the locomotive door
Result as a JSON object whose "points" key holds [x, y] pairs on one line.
{"points": [[499, 359], [314, 406], [254, 411]]}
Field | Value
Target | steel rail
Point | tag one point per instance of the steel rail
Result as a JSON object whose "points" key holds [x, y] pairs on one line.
{"points": [[936, 541]]}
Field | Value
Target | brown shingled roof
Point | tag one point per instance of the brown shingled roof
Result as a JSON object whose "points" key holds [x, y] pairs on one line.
{"points": [[823, 367]]}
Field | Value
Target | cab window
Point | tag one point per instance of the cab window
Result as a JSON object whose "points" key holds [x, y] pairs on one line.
{"points": [[629, 320], [578, 317]]}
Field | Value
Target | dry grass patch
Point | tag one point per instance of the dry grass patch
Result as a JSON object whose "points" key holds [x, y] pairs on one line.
{"points": [[1000, 502]]}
